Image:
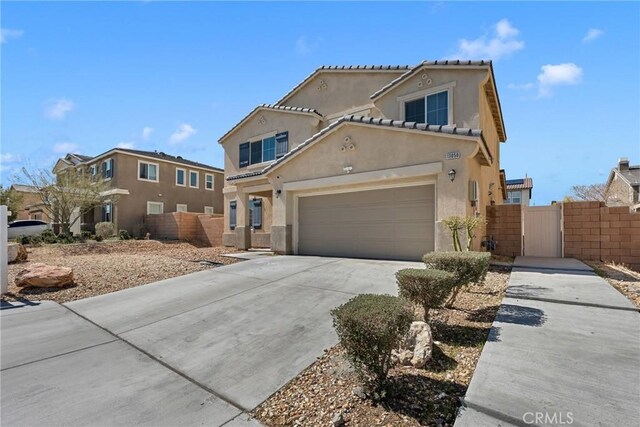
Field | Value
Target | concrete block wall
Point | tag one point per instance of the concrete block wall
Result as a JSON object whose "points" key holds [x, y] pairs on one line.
{"points": [[187, 226], [504, 223], [582, 230]]}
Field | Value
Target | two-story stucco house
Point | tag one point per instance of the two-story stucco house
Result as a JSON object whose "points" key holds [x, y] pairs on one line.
{"points": [[366, 161], [623, 185], [148, 182], [519, 191]]}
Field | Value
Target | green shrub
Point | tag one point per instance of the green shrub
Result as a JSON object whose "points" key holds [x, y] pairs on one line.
{"points": [[65, 238], [105, 229], [140, 231], [468, 267], [86, 234], [428, 288], [98, 238], [369, 327], [123, 235], [23, 240], [48, 236]]}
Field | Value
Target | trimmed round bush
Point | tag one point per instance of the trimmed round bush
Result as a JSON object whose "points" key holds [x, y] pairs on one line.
{"points": [[468, 267], [428, 288], [123, 235], [105, 229], [369, 327]]}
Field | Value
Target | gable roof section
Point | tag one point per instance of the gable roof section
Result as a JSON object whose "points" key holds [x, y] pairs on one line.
{"points": [[337, 68], [283, 108], [491, 91], [160, 156], [520, 184], [630, 176], [399, 124]]}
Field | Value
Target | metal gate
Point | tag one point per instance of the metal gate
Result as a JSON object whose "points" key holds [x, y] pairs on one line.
{"points": [[541, 229]]}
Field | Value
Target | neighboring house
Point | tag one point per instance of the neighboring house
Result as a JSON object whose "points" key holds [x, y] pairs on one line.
{"points": [[519, 191], [31, 205], [148, 182], [345, 164], [623, 185]]}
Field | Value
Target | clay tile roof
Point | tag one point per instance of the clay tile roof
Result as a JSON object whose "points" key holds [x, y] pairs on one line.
{"points": [[520, 184]]}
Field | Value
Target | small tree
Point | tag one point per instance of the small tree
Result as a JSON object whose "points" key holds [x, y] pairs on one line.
{"points": [[470, 223], [428, 288], [11, 199], [468, 267], [70, 191], [590, 192], [370, 327], [454, 224]]}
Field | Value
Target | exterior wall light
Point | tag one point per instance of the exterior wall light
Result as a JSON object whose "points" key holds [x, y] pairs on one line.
{"points": [[452, 175]]}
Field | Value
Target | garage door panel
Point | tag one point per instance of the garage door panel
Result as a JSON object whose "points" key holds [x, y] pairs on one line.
{"points": [[393, 223]]}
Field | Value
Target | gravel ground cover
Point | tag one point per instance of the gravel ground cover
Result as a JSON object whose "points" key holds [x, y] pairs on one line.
{"points": [[109, 266], [429, 396], [626, 281]]}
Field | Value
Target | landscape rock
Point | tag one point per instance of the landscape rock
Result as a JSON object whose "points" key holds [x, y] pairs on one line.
{"points": [[416, 346], [337, 420], [16, 253], [44, 276]]}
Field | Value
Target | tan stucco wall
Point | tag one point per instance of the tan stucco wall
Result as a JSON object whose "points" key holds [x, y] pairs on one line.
{"points": [[465, 98], [130, 209], [300, 128], [342, 90]]}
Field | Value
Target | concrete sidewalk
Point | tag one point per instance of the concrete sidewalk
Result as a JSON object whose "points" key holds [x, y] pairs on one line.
{"points": [[564, 350]]}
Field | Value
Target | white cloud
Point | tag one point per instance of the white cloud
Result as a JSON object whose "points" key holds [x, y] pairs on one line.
{"points": [[305, 47], [9, 158], [558, 75], [503, 43], [592, 35], [64, 147], [183, 132], [522, 86], [57, 109], [128, 145], [146, 132], [6, 34]]}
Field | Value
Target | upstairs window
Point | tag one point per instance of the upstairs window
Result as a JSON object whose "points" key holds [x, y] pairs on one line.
{"points": [[107, 169], [432, 109], [208, 181], [181, 177], [147, 171], [194, 179], [264, 150], [514, 197]]}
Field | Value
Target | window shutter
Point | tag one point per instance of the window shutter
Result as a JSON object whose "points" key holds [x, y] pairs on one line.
{"points": [[110, 169], [232, 215], [244, 155], [103, 166], [282, 144], [256, 214]]}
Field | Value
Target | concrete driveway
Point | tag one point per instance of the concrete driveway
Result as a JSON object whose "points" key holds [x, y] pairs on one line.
{"points": [[205, 348]]}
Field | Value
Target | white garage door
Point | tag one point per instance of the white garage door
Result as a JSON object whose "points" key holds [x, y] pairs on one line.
{"points": [[393, 223]]}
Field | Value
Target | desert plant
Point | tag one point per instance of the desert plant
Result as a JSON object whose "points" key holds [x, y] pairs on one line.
{"points": [[468, 267], [98, 238], [140, 231], [369, 327], [469, 224], [48, 236], [428, 288], [105, 229], [86, 234], [455, 224], [123, 235]]}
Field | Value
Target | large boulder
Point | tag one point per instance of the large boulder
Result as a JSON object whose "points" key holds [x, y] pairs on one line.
{"points": [[416, 346], [44, 276], [16, 252]]}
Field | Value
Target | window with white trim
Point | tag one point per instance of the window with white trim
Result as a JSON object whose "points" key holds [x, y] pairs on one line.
{"points": [[147, 171], [513, 198], [155, 208], [431, 109], [208, 181], [263, 150], [181, 208], [208, 210], [194, 179], [181, 177], [107, 169], [107, 214]]}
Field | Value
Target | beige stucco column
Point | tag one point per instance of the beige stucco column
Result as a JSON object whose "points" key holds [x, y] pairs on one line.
{"points": [[281, 229], [243, 231]]}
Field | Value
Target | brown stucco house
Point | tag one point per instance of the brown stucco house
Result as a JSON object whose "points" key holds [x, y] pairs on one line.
{"points": [[366, 161], [623, 185], [31, 205], [148, 182]]}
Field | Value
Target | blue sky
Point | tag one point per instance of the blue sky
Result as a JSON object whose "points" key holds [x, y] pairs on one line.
{"points": [[88, 76]]}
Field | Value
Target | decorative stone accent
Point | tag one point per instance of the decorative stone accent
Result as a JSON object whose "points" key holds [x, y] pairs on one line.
{"points": [[44, 276], [416, 347], [16, 253]]}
